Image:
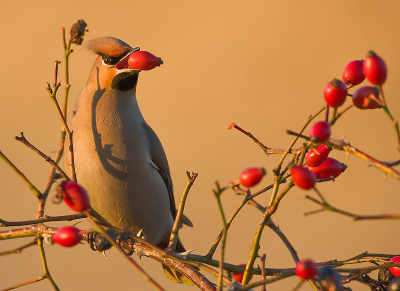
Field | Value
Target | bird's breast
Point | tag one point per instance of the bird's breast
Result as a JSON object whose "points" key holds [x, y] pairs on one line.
{"points": [[113, 162]]}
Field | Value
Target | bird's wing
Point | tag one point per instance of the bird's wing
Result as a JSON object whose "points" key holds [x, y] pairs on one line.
{"points": [[159, 161]]}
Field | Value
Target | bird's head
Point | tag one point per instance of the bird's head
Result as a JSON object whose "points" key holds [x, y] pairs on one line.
{"points": [[110, 70]]}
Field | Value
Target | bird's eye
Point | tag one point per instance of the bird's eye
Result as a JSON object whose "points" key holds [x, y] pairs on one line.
{"points": [[106, 59]]}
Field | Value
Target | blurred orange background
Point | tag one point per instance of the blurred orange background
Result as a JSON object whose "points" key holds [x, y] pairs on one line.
{"points": [[261, 64]]}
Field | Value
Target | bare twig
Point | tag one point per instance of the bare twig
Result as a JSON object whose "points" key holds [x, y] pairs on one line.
{"points": [[32, 187], [44, 264], [38, 279], [217, 194], [43, 219], [23, 140], [20, 249], [53, 94], [326, 206], [392, 119], [177, 224]]}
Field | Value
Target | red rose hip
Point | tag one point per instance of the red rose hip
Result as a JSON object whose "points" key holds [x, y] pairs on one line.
{"points": [[303, 177], [367, 97], [329, 168], [251, 176], [75, 196], [395, 270], [306, 269], [353, 73], [238, 276], [335, 93], [67, 236], [317, 156], [375, 69], [320, 131], [143, 60]]}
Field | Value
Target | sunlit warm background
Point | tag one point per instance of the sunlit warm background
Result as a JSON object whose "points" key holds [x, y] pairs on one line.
{"points": [[261, 64]]}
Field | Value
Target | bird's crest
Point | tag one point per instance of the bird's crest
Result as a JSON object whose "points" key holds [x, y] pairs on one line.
{"points": [[108, 45]]}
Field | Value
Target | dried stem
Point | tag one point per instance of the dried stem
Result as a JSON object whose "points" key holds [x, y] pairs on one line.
{"points": [[383, 166], [52, 94], [177, 224], [38, 279], [326, 206], [20, 249], [263, 147], [44, 264], [41, 220], [392, 119], [23, 140], [32, 187], [217, 194]]}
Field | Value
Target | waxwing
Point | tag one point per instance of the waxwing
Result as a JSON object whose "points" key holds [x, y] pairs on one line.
{"points": [[118, 157]]}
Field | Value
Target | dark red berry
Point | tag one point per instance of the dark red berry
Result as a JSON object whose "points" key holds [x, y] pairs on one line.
{"points": [[335, 93], [251, 176], [367, 98], [317, 156], [143, 60], [306, 269], [238, 276], [67, 236], [329, 168], [303, 177], [395, 270], [375, 69], [320, 131], [353, 73], [75, 196]]}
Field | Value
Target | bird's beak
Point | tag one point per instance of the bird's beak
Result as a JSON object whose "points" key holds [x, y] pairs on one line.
{"points": [[122, 65]]}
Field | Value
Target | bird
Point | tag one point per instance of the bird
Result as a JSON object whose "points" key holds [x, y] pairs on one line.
{"points": [[118, 158]]}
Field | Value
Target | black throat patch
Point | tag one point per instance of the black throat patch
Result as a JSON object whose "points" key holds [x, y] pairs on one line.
{"points": [[125, 81]]}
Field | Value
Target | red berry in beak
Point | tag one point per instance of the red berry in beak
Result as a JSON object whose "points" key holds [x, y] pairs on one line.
{"points": [[143, 60]]}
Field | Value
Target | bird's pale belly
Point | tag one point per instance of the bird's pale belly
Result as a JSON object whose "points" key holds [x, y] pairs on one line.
{"points": [[126, 191]]}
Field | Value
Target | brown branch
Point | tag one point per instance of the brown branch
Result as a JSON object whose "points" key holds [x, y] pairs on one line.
{"points": [[32, 187], [177, 264], [23, 140], [41, 220], [52, 94], [383, 166], [20, 249], [177, 224], [38, 279], [326, 206]]}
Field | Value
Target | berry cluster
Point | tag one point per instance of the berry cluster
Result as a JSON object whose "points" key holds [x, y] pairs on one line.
{"points": [[335, 93]]}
